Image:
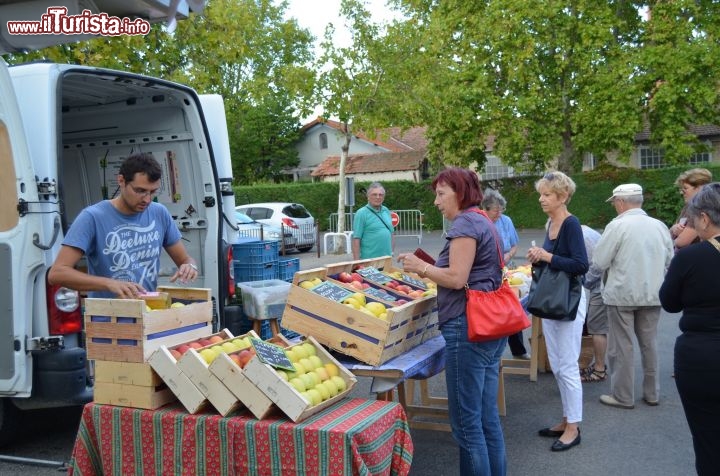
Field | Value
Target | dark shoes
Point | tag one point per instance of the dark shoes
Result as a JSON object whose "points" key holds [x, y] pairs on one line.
{"points": [[560, 446], [550, 433]]}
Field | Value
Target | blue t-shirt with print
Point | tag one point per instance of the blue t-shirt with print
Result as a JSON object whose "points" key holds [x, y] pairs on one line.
{"points": [[507, 232], [123, 247]]}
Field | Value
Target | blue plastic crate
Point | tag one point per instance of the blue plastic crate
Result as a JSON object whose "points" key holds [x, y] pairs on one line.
{"points": [[256, 252], [254, 272], [287, 268]]}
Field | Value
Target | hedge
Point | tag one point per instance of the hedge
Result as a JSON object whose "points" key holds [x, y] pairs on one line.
{"points": [[662, 198]]}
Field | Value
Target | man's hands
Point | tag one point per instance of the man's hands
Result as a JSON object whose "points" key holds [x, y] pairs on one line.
{"points": [[186, 272], [125, 289]]}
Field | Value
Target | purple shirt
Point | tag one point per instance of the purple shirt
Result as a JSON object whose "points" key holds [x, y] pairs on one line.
{"points": [[485, 273]]}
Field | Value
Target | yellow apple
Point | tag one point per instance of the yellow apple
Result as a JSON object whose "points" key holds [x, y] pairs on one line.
{"points": [[331, 387], [177, 304], [322, 373], [309, 348], [324, 392], [315, 396], [332, 369]]}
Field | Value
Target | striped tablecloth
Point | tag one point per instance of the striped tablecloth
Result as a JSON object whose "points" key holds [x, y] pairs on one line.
{"points": [[355, 436]]}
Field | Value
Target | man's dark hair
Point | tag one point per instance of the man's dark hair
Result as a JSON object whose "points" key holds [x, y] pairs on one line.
{"points": [[141, 163]]}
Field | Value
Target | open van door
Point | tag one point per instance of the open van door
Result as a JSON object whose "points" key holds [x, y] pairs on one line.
{"points": [[20, 260]]}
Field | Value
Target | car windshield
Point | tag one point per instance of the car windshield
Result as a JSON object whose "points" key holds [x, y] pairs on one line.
{"points": [[296, 210], [242, 218]]}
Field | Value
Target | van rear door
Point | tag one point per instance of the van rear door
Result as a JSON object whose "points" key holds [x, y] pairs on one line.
{"points": [[20, 260]]}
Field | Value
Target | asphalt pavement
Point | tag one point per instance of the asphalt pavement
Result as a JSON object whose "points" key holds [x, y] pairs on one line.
{"points": [[646, 441]]}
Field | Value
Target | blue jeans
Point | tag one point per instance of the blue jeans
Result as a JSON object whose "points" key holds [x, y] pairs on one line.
{"points": [[472, 374]]}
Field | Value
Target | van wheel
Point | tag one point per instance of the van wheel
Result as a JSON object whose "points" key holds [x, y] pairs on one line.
{"points": [[9, 420], [303, 249]]}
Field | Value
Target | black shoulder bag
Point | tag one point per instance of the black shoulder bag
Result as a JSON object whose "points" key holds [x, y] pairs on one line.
{"points": [[554, 294]]}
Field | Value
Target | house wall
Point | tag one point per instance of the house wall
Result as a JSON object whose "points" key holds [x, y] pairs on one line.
{"points": [[412, 175], [311, 154]]}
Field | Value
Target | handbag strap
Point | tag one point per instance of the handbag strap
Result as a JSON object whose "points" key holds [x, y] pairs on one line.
{"points": [[713, 241], [378, 217], [495, 236]]}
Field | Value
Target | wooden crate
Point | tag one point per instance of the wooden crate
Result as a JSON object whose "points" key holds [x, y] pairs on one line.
{"points": [[233, 377], [123, 330], [285, 396], [126, 373], [197, 370], [165, 366], [354, 333], [136, 396]]}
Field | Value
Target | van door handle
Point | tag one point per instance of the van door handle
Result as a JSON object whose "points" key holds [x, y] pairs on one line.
{"points": [[56, 231]]}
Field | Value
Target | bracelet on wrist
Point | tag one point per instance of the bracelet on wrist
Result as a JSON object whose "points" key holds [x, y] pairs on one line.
{"points": [[424, 271]]}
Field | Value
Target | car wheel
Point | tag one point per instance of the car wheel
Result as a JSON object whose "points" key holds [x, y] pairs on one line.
{"points": [[303, 249]]}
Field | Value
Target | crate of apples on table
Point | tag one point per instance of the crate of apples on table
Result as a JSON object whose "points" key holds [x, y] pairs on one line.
{"points": [[309, 381], [362, 316]]}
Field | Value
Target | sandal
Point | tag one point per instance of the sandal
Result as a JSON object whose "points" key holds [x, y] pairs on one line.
{"points": [[592, 375]]}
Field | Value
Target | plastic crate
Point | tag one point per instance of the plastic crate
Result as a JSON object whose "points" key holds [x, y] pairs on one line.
{"points": [[256, 252], [287, 268], [254, 272], [264, 299]]}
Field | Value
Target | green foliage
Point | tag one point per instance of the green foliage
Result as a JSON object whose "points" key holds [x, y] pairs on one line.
{"points": [[662, 199], [245, 51]]}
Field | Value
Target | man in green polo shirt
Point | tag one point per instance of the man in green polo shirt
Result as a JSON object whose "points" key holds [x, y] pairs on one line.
{"points": [[372, 227]]}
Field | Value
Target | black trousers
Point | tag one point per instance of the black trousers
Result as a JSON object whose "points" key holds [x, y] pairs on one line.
{"points": [[515, 342], [697, 377]]}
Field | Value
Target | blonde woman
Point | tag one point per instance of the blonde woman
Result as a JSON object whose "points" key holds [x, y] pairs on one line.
{"points": [[564, 249], [689, 182]]}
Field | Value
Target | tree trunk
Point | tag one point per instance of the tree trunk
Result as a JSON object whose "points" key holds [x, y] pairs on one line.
{"points": [[340, 241]]}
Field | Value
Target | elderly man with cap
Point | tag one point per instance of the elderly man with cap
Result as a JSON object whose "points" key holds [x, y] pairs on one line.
{"points": [[634, 252]]}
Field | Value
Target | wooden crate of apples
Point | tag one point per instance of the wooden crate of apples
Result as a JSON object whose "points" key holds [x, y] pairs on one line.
{"points": [[361, 317], [317, 381]]}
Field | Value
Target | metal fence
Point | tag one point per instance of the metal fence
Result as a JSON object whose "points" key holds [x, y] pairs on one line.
{"points": [[410, 223]]}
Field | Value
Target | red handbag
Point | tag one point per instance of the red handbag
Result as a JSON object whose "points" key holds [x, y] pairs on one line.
{"points": [[495, 314]]}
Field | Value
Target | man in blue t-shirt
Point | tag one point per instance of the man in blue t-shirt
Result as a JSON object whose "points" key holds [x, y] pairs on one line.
{"points": [[123, 238], [372, 227]]}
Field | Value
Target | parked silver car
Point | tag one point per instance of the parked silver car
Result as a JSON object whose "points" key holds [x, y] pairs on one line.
{"points": [[249, 228], [289, 216]]}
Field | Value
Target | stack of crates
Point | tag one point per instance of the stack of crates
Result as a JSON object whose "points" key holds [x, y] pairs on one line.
{"points": [[260, 261], [287, 268], [255, 260]]}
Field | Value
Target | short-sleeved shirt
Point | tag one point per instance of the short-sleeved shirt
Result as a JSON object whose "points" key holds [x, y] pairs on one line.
{"points": [[485, 273], [507, 232], [374, 230], [123, 247]]}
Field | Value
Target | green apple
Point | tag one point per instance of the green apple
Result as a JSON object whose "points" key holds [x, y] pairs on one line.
{"points": [[309, 349], [339, 383], [315, 361], [315, 396], [324, 392], [331, 387], [307, 365], [307, 380], [208, 355], [291, 355], [298, 384], [299, 351], [283, 375]]}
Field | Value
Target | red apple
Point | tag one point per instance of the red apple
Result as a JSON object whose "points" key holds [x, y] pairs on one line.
{"points": [[204, 342], [345, 277], [176, 354], [195, 345], [357, 277], [235, 358], [365, 285], [181, 349], [400, 302], [392, 284], [215, 339], [244, 357], [357, 285]]}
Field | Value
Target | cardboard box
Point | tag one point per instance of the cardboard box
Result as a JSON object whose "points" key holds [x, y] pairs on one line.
{"points": [[264, 299], [197, 370], [285, 396], [352, 332], [123, 330]]}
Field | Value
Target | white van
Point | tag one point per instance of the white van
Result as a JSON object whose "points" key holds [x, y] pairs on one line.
{"points": [[64, 130]]}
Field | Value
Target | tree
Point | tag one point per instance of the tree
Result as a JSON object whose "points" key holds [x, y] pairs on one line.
{"points": [[551, 81], [243, 50], [349, 81]]}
